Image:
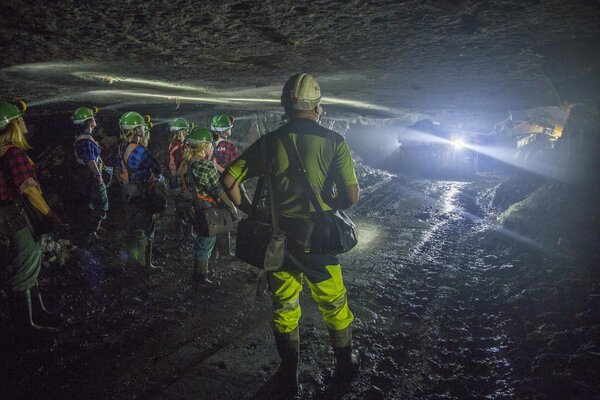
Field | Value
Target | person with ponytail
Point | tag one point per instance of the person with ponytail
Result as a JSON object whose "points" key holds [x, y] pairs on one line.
{"points": [[201, 184]]}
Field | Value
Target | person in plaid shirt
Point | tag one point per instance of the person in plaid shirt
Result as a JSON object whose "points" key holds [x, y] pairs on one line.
{"points": [[180, 128], [203, 185], [18, 248], [87, 154], [225, 153], [137, 167], [225, 150]]}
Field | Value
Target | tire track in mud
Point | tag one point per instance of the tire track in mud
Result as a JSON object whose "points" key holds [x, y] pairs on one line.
{"points": [[439, 333]]}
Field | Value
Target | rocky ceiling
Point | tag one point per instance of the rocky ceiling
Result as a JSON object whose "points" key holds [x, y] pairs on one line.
{"points": [[378, 57]]}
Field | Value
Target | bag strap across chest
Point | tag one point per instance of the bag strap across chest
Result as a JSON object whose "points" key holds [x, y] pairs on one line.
{"points": [[296, 163], [124, 166], [84, 136]]}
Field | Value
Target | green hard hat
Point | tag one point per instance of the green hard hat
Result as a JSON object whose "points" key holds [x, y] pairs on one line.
{"points": [[82, 114], [8, 112], [130, 120], [199, 135], [178, 124], [221, 122]]}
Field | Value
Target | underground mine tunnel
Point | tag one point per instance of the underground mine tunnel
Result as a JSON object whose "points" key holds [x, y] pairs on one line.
{"points": [[472, 129]]}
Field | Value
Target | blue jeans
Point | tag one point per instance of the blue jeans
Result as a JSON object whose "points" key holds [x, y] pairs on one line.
{"points": [[203, 247]]}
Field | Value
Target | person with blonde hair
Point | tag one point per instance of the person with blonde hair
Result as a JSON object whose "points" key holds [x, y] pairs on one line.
{"points": [[201, 183], [21, 253]]}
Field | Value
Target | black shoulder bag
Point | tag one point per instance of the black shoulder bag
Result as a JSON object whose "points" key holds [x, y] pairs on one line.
{"points": [[335, 227], [260, 241], [209, 219]]}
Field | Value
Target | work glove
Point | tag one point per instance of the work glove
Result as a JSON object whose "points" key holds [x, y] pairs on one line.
{"points": [[160, 178], [234, 212]]}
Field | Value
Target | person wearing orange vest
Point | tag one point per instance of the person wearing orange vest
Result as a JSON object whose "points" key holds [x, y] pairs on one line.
{"points": [[20, 253], [87, 154]]}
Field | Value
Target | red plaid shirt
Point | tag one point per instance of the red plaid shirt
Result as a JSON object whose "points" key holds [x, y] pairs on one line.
{"points": [[225, 152], [15, 169], [176, 149]]}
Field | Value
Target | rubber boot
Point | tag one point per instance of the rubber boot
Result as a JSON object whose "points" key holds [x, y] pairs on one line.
{"points": [[21, 315], [347, 362], [188, 232], [288, 347], [180, 230], [93, 235], [224, 246], [145, 248], [200, 275], [39, 312]]}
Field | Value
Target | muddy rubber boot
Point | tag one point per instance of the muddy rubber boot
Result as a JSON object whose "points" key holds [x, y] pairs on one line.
{"points": [[181, 226], [145, 259], [200, 275], [188, 232], [347, 361], [288, 347], [21, 315], [223, 247], [39, 312], [94, 232]]}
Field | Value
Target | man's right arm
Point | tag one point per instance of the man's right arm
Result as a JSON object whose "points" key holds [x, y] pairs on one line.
{"points": [[236, 193], [246, 166], [348, 197]]}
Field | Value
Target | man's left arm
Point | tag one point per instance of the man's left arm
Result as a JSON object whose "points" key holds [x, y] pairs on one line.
{"points": [[348, 190]]}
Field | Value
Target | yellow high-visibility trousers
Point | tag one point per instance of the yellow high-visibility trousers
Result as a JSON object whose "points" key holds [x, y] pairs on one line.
{"points": [[329, 294]]}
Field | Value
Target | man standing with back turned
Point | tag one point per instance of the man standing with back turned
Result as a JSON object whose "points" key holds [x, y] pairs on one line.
{"points": [[330, 170]]}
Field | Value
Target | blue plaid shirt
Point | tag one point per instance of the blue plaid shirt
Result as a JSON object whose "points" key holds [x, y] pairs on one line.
{"points": [[141, 164], [86, 149]]}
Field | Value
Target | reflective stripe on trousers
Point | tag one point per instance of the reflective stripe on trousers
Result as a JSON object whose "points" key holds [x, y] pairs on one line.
{"points": [[329, 294]]}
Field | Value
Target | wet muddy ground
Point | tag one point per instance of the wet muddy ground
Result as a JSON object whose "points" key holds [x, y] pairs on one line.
{"points": [[447, 306]]}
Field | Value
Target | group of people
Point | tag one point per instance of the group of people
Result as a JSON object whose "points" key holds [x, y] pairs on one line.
{"points": [[209, 171], [193, 173]]}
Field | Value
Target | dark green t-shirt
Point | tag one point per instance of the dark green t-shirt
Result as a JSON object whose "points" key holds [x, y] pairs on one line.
{"points": [[326, 157]]}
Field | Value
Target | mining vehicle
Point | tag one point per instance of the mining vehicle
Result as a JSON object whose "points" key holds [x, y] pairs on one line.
{"points": [[426, 148]]}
